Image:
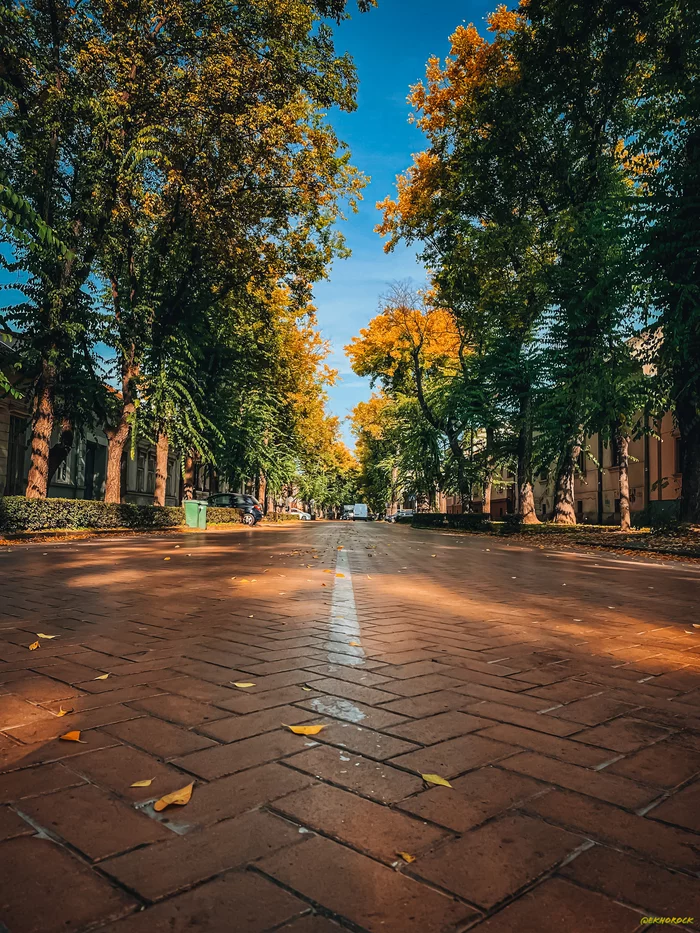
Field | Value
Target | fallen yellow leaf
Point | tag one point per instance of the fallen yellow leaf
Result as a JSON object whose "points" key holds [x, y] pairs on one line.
{"points": [[34, 646], [63, 712], [340, 548], [241, 683], [102, 677], [328, 571], [72, 737], [340, 574], [406, 857], [166, 558], [41, 635], [304, 730], [146, 783], [306, 689], [180, 797], [433, 555], [354, 644], [435, 779]]}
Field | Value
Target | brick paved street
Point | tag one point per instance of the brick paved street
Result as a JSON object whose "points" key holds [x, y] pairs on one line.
{"points": [[558, 693]]}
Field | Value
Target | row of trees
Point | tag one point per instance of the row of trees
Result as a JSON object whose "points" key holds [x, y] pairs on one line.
{"points": [[168, 193], [556, 206]]}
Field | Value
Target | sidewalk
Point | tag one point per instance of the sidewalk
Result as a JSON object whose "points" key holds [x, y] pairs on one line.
{"points": [[571, 743]]}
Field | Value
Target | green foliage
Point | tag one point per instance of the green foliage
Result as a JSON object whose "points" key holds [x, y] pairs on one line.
{"points": [[20, 514], [276, 517], [220, 516]]}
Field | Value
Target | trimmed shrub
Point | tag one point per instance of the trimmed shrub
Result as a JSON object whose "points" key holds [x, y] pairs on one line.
{"points": [[221, 516], [404, 519], [20, 514], [429, 519], [280, 517], [470, 521], [511, 524]]}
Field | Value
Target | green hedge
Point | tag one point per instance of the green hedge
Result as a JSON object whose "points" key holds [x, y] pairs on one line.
{"points": [[20, 514], [280, 517], [470, 521], [428, 520], [221, 516]]}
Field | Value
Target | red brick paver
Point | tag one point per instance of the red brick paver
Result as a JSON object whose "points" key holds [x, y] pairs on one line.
{"points": [[566, 719]]}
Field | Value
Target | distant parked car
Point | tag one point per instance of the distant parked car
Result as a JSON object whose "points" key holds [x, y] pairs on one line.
{"points": [[302, 516], [249, 505]]}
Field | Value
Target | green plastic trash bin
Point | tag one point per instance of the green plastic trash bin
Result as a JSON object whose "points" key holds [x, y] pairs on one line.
{"points": [[195, 513], [202, 515]]}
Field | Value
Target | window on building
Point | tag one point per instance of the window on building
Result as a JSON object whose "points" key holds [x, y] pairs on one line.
{"points": [[151, 477], [579, 506], [617, 505], [544, 508], [140, 472], [678, 455], [62, 472], [582, 460]]}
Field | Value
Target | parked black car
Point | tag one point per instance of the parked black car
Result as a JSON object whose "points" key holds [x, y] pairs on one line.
{"points": [[249, 505]]}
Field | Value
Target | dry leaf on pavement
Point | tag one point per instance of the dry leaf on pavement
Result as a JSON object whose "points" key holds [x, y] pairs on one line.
{"points": [[146, 783], [102, 677], [354, 644], [243, 684], [435, 779], [166, 558], [63, 712], [304, 730], [339, 548], [180, 797], [340, 574], [406, 857], [34, 646], [72, 737], [41, 635]]}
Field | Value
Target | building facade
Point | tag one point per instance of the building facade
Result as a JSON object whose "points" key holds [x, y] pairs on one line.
{"points": [[654, 480]]}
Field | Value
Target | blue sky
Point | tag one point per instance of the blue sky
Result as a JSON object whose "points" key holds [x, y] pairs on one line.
{"points": [[390, 45]]}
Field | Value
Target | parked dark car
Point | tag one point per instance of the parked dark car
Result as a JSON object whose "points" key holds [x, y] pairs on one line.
{"points": [[249, 505]]}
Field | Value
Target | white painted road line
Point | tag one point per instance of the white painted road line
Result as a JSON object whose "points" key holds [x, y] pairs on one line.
{"points": [[344, 626]]}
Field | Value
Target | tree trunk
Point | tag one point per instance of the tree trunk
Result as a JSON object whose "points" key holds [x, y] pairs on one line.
{"points": [[42, 429], [118, 435], [623, 453], [117, 438], [689, 426], [189, 477], [161, 469], [60, 451], [526, 496], [564, 509]]}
